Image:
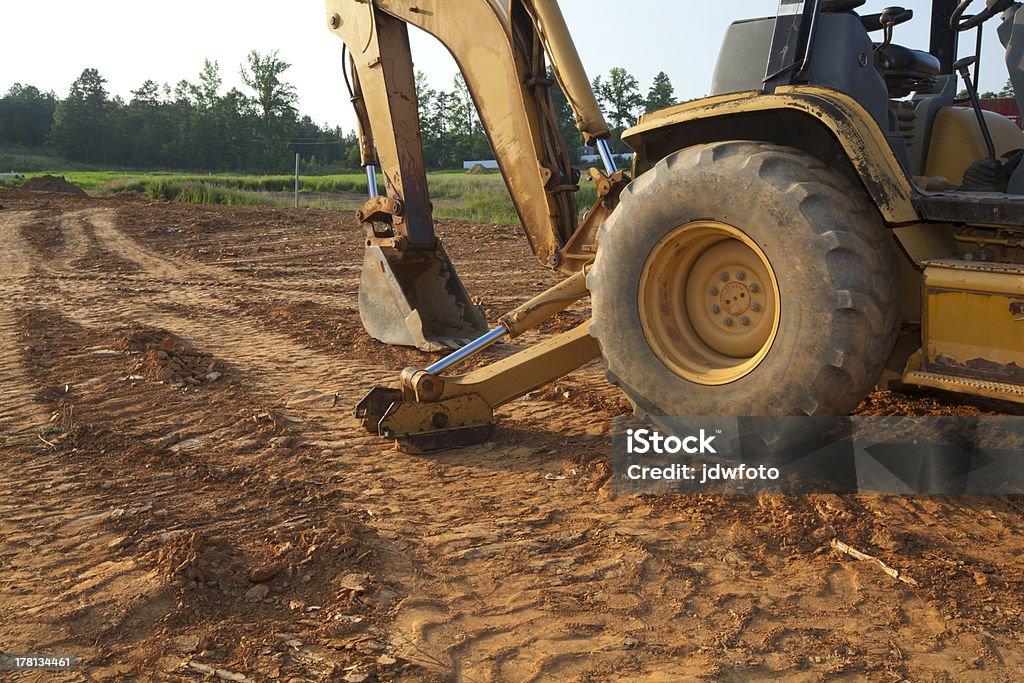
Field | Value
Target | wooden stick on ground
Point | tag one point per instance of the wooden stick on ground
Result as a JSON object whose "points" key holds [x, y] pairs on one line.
{"points": [[854, 553]]}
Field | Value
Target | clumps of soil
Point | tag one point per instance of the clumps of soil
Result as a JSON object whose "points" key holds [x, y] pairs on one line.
{"points": [[212, 562], [925, 402], [52, 183], [327, 565], [168, 358], [563, 321], [322, 578]]}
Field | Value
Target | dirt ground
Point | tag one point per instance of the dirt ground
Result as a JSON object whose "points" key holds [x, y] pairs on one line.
{"points": [[185, 495]]}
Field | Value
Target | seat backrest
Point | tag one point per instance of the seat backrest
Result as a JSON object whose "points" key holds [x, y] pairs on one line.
{"points": [[842, 60], [1011, 35]]}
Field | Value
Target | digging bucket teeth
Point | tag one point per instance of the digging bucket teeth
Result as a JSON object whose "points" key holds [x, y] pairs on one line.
{"points": [[416, 299]]}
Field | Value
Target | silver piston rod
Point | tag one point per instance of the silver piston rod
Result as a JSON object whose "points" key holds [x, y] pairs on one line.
{"points": [[605, 150], [471, 349], [526, 317], [371, 180]]}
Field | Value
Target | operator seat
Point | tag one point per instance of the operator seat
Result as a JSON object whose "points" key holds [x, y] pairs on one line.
{"points": [[906, 70]]}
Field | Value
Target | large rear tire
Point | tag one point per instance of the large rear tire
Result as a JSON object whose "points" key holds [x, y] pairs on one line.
{"points": [[744, 278]]}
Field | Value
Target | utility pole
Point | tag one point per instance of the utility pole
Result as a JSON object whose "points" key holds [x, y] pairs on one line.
{"points": [[296, 180]]}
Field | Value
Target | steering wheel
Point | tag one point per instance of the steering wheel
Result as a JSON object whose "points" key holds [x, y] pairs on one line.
{"points": [[994, 7]]}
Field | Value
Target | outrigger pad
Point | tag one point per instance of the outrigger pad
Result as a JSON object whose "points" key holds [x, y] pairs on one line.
{"points": [[420, 444], [417, 301]]}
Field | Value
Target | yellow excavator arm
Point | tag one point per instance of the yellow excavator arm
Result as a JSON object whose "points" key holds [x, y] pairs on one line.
{"points": [[410, 293]]}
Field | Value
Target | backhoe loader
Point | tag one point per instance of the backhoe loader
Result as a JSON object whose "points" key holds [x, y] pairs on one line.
{"points": [[764, 253]]}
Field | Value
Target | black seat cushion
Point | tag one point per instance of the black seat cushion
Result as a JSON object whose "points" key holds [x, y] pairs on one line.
{"points": [[905, 70], [901, 60]]}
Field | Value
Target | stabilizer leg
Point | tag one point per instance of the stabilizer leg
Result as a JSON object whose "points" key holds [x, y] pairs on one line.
{"points": [[432, 411]]}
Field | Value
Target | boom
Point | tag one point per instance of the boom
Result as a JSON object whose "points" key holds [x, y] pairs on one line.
{"points": [[502, 50]]}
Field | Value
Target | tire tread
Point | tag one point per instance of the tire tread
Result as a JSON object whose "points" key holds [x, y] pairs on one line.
{"points": [[867, 318]]}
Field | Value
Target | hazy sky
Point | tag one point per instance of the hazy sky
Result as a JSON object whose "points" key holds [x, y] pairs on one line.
{"points": [[47, 44]]}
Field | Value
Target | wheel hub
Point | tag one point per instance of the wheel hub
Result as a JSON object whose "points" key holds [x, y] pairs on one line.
{"points": [[735, 298], [709, 302]]}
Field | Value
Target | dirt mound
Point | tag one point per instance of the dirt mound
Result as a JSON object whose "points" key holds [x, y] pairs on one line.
{"points": [[206, 561], [476, 169], [52, 183], [167, 358]]}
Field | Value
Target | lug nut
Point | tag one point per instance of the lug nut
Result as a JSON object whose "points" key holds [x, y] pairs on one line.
{"points": [[744, 320], [724, 277], [755, 307], [716, 309], [713, 291], [741, 275], [754, 287], [727, 322]]}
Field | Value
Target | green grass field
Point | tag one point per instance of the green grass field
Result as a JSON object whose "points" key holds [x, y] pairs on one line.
{"points": [[455, 194]]}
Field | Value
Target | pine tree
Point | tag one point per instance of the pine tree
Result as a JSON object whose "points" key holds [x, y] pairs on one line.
{"points": [[661, 94], [80, 121]]}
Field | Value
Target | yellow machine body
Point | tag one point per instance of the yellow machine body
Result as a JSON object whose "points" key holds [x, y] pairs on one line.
{"points": [[973, 329], [956, 141]]}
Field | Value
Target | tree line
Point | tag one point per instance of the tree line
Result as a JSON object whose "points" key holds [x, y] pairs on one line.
{"points": [[192, 125], [196, 125], [1007, 92], [452, 132]]}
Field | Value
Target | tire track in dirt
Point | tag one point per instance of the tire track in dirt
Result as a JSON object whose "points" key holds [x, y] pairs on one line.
{"points": [[187, 278], [214, 472], [220, 329], [155, 267], [54, 530], [18, 411], [76, 243], [43, 535], [272, 361], [46, 518], [125, 411]]}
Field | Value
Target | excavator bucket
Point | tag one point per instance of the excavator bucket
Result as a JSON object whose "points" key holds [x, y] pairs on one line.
{"points": [[417, 299]]}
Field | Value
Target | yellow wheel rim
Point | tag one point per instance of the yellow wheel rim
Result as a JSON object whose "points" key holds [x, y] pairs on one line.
{"points": [[709, 303]]}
